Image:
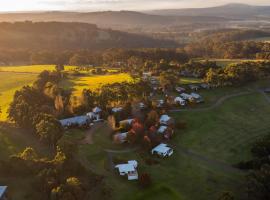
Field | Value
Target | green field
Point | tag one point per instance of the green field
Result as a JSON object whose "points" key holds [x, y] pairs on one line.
{"points": [[10, 82], [93, 82], [32, 68]]}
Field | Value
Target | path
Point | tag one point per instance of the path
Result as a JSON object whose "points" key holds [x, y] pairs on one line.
{"points": [[266, 96], [89, 135], [215, 105]]}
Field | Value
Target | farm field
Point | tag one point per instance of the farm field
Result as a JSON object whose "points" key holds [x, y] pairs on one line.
{"points": [[32, 68], [10, 82], [93, 82]]}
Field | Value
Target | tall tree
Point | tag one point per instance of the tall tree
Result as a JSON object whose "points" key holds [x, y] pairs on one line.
{"points": [[49, 129]]}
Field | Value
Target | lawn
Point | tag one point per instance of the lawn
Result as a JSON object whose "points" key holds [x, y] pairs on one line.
{"points": [[226, 133], [93, 82], [32, 68], [9, 83]]}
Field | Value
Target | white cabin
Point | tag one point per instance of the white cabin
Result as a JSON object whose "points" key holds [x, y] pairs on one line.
{"points": [[186, 96], [129, 169], [164, 119], [162, 150], [180, 101]]}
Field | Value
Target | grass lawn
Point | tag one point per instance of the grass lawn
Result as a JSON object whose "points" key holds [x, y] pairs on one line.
{"points": [[226, 133], [93, 82], [9, 83]]}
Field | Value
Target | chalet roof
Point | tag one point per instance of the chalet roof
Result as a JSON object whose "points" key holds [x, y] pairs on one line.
{"points": [[3, 189], [178, 99], [195, 95], [80, 120], [161, 148], [164, 118], [97, 110], [128, 167], [162, 129], [117, 109]]}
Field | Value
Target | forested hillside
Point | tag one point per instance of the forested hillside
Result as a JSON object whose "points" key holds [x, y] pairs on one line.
{"points": [[69, 36]]}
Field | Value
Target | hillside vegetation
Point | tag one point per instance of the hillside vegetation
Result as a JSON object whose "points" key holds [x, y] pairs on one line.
{"points": [[67, 36]]}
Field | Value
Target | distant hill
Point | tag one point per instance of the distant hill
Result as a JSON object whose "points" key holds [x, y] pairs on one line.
{"points": [[70, 36], [109, 19], [230, 11]]}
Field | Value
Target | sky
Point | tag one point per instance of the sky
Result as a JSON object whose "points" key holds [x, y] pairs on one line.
{"points": [[98, 5]]}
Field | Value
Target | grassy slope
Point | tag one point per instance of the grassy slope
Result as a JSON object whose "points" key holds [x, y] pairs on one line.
{"points": [[9, 83], [227, 132]]}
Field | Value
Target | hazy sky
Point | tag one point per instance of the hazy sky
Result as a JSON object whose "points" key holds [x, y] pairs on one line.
{"points": [[93, 5]]}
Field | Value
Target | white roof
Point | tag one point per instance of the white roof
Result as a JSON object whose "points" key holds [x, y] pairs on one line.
{"points": [[117, 109], [133, 162], [164, 118], [2, 190], [97, 110], [162, 129], [162, 148], [195, 95], [125, 168], [178, 99]]}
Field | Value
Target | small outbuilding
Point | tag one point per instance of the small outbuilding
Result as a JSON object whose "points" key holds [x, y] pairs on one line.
{"points": [[180, 89], [162, 150], [75, 121], [198, 98], [129, 169], [117, 109], [179, 101], [164, 120], [187, 97]]}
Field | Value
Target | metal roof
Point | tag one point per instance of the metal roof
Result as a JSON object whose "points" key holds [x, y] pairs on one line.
{"points": [[2, 190], [80, 120]]}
